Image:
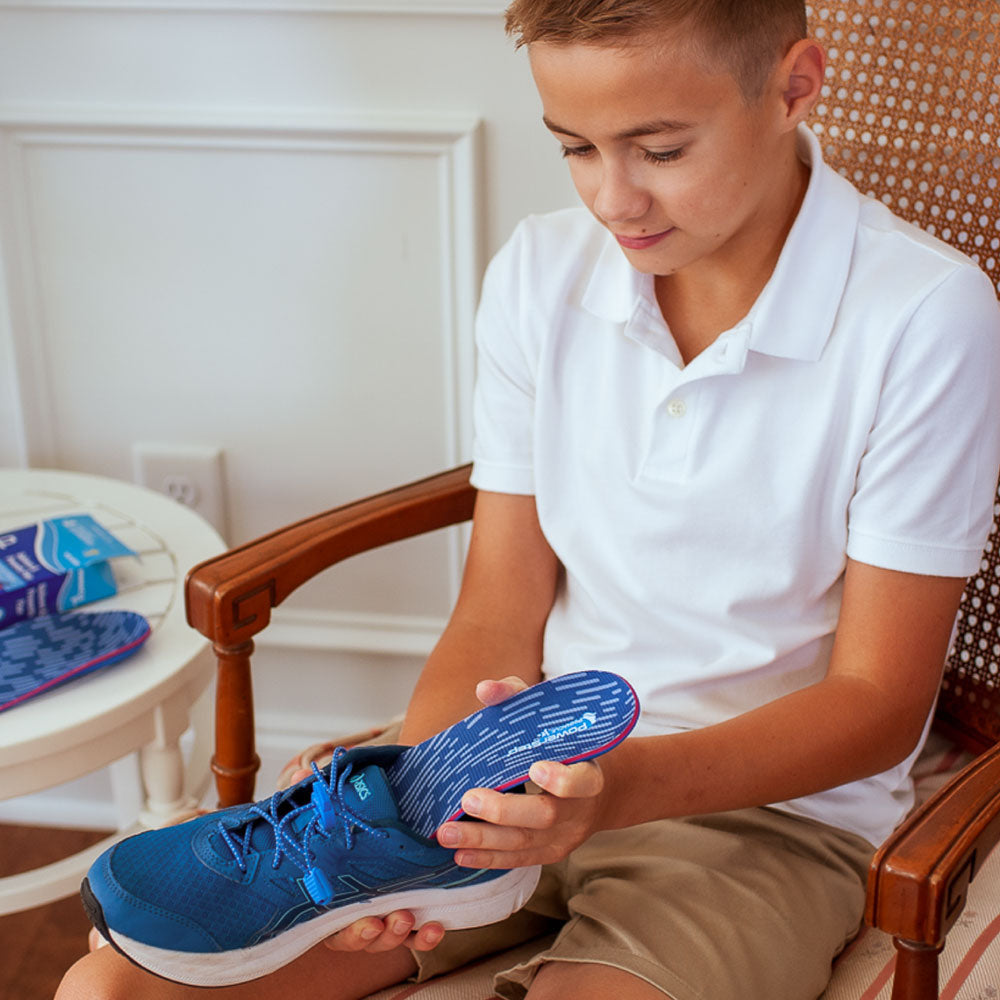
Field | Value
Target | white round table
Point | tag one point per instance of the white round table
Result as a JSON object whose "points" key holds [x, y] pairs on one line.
{"points": [[142, 703]]}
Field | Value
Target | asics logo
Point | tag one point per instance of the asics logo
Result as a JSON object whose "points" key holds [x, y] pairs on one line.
{"points": [[547, 735], [360, 787]]}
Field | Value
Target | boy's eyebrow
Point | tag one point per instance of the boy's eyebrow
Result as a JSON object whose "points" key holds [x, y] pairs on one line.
{"points": [[645, 128]]}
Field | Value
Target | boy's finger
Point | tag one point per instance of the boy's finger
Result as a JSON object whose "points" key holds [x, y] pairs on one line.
{"points": [[536, 854], [494, 692], [536, 812], [486, 836], [532, 812], [425, 938], [568, 781], [397, 931], [374, 934], [356, 936]]}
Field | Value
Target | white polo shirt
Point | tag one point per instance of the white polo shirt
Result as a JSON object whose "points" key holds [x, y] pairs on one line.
{"points": [[704, 514]]}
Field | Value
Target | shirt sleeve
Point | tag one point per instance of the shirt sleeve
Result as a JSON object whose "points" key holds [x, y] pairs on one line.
{"points": [[926, 487], [504, 399]]}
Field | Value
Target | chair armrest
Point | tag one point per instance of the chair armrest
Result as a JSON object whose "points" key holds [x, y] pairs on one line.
{"points": [[229, 598], [918, 879]]}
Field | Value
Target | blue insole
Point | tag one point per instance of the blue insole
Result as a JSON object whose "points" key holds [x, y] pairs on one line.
{"points": [[568, 718], [41, 653]]}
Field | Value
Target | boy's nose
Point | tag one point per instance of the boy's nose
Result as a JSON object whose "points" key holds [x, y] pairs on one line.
{"points": [[619, 199]]}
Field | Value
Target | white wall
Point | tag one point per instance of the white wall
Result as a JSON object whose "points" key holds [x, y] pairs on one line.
{"points": [[260, 225]]}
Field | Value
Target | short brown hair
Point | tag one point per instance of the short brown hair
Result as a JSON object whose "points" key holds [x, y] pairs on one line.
{"points": [[747, 36]]}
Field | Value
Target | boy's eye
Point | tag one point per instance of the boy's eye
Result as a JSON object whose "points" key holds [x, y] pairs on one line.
{"points": [[665, 157], [652, 156], [576, 150]]}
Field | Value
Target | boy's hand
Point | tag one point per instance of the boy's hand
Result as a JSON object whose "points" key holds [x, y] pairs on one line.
{"points": [[519, 830], [526, 829], [373, 934]]}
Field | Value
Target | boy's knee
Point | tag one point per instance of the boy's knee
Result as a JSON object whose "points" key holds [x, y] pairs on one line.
{"points": [[89, 979]]}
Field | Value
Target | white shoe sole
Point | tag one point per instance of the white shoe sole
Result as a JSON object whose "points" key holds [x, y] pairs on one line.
{"points": [[463, 906]]}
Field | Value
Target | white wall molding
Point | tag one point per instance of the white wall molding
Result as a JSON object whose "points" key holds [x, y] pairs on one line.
{"points": [[450, 140], [438, 128], [311, 629], [34, 425], [426, 8], [13, 432]]}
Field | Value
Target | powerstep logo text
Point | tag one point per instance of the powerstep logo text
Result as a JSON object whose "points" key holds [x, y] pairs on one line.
{"points": [[557, 733]]}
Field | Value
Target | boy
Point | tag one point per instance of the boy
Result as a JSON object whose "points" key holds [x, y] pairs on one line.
{"points": [[735, 440]]}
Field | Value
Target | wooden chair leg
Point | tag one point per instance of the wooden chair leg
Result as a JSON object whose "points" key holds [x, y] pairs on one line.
{"points": [[916, 976], [235, 762]]}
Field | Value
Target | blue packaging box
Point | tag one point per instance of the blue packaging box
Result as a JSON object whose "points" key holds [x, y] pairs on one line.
{"points": [[55, 565]]}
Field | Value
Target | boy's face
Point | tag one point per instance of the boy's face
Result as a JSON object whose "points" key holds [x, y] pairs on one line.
{"points": [[666, 153]]}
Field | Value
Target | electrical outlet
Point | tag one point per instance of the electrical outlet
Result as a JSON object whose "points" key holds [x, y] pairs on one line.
{"points": [[190, 474]]}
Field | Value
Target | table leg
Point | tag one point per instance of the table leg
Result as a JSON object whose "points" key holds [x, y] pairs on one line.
{"points": [[161, 764]]}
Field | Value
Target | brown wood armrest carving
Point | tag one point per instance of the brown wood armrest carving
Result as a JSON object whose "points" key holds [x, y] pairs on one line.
{"points": [[918, 879], [229, 598]]}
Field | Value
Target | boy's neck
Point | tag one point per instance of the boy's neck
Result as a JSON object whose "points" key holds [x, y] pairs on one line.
{"points": [[712, 296]]}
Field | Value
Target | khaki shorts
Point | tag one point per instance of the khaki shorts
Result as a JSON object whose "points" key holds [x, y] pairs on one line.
{"points": [[753, 904]]}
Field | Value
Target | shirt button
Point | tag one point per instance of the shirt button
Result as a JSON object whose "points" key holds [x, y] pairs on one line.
{"points": [[676, 408]]}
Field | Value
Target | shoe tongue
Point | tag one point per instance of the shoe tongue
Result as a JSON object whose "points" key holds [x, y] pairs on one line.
{"points": [[368, 795]]}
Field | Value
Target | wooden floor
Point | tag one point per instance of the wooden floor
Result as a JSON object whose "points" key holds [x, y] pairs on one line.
{"points": [[37, 946]]}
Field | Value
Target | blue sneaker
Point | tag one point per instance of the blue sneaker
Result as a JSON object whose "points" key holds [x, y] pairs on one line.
{"points": [[234, 895]]}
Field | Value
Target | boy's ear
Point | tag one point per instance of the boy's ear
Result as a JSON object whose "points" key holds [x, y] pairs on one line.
{"points": [[801, 79]]}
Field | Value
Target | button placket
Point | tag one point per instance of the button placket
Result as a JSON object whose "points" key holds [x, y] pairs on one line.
{"points": [[672, 431]]}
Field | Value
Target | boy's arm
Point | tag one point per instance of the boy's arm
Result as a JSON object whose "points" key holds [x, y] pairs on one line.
{"points": [[498, 621], [495, 630], [865, 716]]}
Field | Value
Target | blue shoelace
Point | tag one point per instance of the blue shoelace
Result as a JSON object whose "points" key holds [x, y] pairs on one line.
{"points": [[329, 810]]}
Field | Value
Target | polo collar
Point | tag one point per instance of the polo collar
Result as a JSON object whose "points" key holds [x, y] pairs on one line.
{"points": [[795, 313], [616, 289]]}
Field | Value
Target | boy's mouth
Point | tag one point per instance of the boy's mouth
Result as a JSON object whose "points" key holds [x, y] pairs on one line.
{"points": [[641, 242]]}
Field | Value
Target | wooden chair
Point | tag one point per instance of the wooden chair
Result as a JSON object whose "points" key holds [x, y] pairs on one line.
{"points": [[909, 114]]}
